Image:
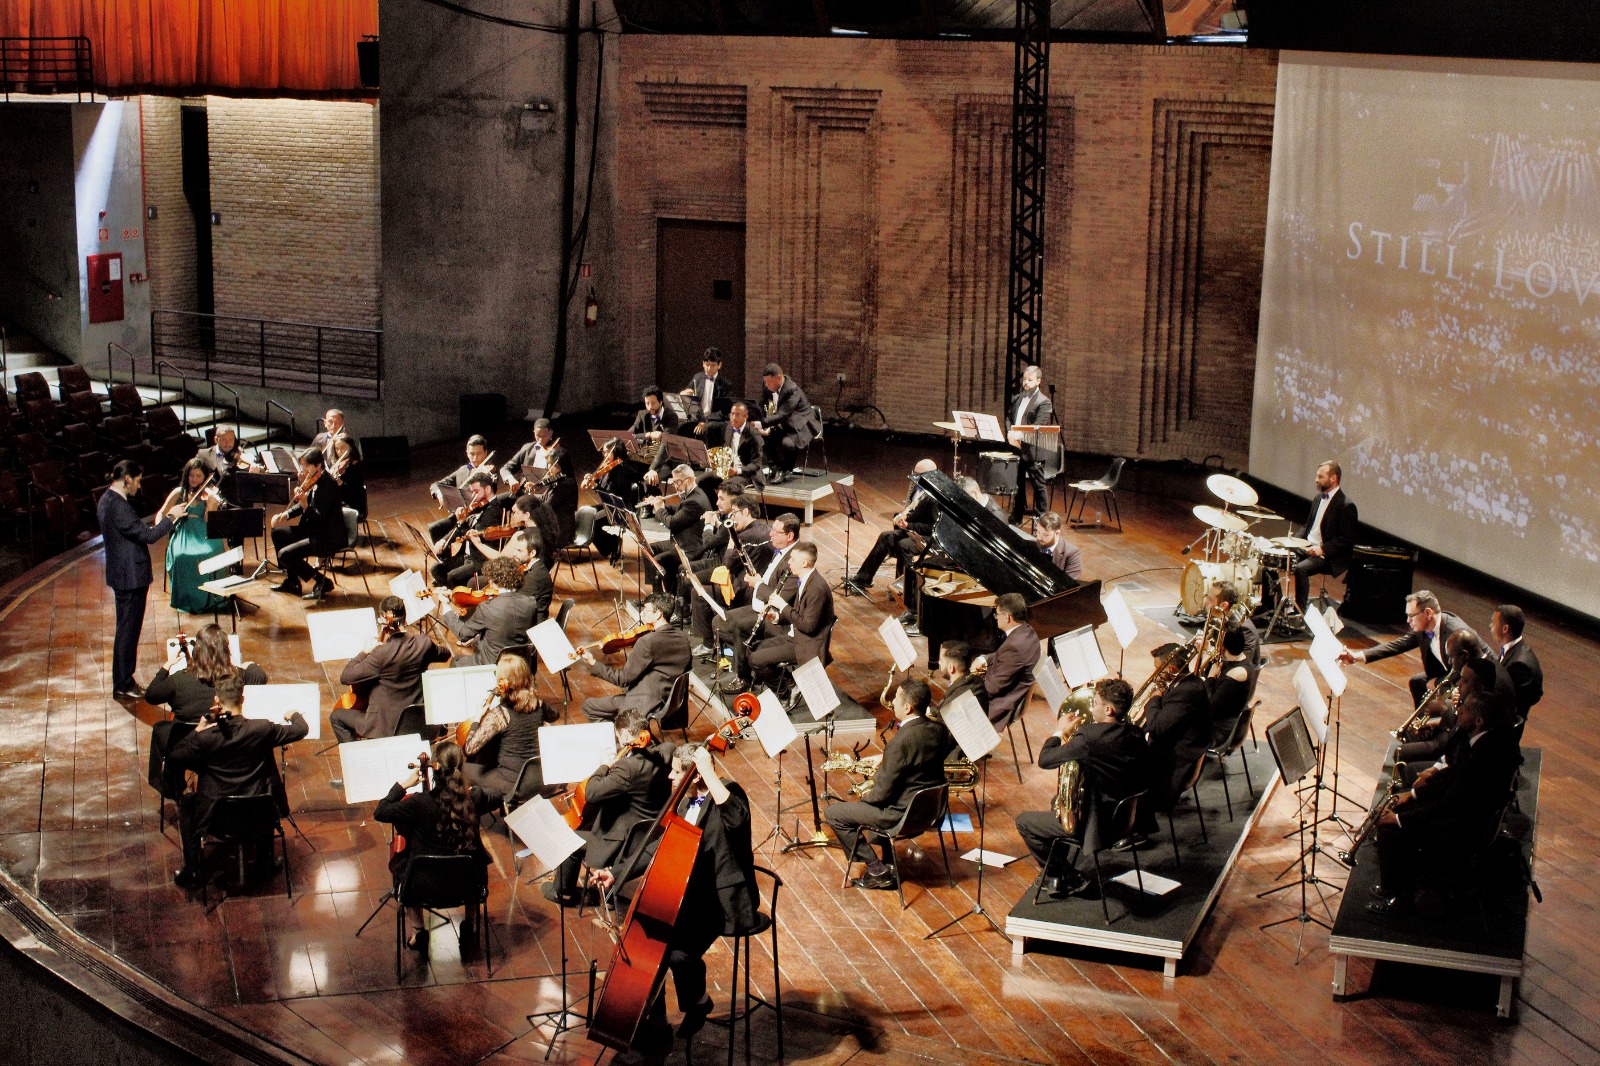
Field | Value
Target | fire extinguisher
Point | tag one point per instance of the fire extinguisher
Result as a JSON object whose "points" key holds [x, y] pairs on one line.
{"points": [[591, 310]]}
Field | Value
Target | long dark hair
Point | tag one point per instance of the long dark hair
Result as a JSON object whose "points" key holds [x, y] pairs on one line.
{"points": [[458, 821], [210, 659]]}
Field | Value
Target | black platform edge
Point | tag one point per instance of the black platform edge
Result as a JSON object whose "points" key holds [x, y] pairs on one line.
{"points": [[81, 968]]}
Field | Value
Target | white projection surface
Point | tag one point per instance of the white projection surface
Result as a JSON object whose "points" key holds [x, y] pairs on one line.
{"points": [[1430, 306]]}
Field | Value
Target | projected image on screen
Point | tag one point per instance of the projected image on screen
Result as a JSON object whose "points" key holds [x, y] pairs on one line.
{"points": [[1430, 307]]}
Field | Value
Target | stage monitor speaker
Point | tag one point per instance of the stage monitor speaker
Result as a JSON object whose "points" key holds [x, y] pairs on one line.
{"points": [[482, 412], [367, 62], [1377, 584], [386, 452]]}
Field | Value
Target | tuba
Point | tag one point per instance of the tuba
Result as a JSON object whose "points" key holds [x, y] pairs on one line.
{"points": [[1068, 802], [722, 461]]}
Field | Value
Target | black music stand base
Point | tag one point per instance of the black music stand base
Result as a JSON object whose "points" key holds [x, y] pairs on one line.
{"points": [[564, 1018], [818, 839], [977, 903]]}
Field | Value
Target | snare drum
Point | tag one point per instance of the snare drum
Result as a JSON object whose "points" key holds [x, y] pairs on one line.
{"points": [[997, 473]]}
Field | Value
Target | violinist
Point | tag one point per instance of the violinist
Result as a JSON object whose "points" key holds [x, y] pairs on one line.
{"points": [[459, 559], [535, 459], [507, 734], [655, 661], [188, 683], [615, 475], [312, 525], [633, 787], [478, 459], [343, 452], [685, 520], [652, 424], [534, 527], [226, 459], [189, 546], [386, 675], [721, 897], [440, 820], [509, 609], [231, 756], [748, 551]]}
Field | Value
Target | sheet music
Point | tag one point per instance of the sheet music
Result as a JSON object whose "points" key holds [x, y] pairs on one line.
{"points": [[965, 719], [773, 727], [1052, 686], [1335, 623], [341, 634], [408, 585], [456, 695], [899, 645], [1080, 658], [699, 586], [994, 859], [569, 753], [967, 421], [371, 767], [1318, 626], [1154, 884], [555, 650], [539, 825], [1121, 618], [1310, 699], [217, 562], [988, 426], [816, 688], [225, 586], [1325, 653], [273, 703]]}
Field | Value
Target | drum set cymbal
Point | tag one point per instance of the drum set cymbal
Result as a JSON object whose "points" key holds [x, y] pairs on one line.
{"points": [[1260, 514], [1291, 542], [950, 427], [1231, 490], [1217, 518]]}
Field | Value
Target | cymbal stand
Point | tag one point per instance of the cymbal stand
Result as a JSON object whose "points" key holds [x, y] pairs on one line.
{"points": [[977, 903]]}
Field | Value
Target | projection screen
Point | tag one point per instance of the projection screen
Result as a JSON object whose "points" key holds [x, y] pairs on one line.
{"points": [[1430, 306]]}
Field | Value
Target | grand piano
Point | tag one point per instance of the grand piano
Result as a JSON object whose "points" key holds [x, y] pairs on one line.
{"points": [[972, 558]]}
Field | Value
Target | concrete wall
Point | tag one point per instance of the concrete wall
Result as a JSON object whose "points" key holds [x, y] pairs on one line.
{"points": [[471, 214], [110, 201], [38, 229]]}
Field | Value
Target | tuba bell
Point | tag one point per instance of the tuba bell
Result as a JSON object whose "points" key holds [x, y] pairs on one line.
{"points": [[1068, 802]]}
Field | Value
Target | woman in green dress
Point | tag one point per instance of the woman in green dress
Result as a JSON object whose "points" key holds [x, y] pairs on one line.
{"points": [[188, 546]]}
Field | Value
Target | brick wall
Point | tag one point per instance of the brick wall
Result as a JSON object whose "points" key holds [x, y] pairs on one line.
{"points": [[169, 237], [296, 184], [872, 177]]}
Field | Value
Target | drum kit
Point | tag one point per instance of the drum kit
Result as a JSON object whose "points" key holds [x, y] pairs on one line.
{"points": [[1230, 552]]}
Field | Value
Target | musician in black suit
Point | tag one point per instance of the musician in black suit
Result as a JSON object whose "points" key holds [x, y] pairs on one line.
{"points": [[654, 662], [650, 426], [314, 525], [389, 672], [1116, 763], [738, 433], [912, 760], [342, 450], [777, 580], [502, 620], [1448, 808], [1177, 723], [1008, 673], [187, 683], [1064, 554], [231, 757], [1430, 631], [799, 631], [914, 523], [713, 392], [535, 459], [721, 897], [955, 663], [685, 521], [226, 459], [460, 560], [1506, 626], [128, 571], [787, 424], [1330, 526], [1031, 407], [633, 787], [754, 542], [477, 460]]}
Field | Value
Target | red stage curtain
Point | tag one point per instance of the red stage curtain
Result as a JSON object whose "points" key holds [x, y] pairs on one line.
{"points": [[292, 47]]}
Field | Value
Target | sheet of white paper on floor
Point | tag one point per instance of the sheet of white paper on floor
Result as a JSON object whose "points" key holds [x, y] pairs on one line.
{"points": [[1154, 884], [989, 858]]}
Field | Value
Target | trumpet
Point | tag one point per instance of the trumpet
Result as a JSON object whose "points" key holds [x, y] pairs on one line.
{"points": [[1369, 824]]}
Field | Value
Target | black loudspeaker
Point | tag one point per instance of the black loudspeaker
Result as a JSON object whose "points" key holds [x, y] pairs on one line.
{"points": [[997, 473], [1378, 583], [386, 452], [367, 61], [482, 412]]}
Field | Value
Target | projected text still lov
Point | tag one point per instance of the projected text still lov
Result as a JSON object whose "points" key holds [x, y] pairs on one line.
{"points": [[1429, 255]]}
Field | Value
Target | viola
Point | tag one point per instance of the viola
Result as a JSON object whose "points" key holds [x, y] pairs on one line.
{"points": [[465, 597], [464, 729], [356, 697], [574, 796], [627, 638], [496, 534], [746, 709]]}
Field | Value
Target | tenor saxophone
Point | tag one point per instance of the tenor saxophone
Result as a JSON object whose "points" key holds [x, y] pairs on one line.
{"points": [[1439, 702], [1369, 824]]}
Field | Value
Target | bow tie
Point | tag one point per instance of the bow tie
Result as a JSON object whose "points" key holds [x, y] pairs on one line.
{"points": [[1322, 497], [1429, 635]]}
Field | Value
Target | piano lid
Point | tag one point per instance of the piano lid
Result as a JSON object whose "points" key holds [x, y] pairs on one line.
{"points": [[998, 556]]}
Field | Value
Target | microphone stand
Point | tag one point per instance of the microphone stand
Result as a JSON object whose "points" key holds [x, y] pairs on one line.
{"points": [[977, 903]]}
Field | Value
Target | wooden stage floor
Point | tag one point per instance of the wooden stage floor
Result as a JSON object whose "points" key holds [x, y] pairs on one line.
{"points": [[78, 832]]}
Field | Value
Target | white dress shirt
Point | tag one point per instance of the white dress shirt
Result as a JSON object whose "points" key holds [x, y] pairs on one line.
{"points": [[1315, 533]]}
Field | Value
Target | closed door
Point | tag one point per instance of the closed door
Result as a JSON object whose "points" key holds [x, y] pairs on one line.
{"points": [[699, 299]]}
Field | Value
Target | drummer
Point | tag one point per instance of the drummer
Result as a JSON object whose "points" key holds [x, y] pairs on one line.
{"points": [[1329, 532]]}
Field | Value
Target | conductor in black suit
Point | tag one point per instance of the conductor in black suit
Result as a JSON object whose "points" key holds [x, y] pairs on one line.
{"points": [[1330, 526], [1527, 676], [232, 757], [1031, 407], [127, 539], [912, 760], [1430, 632]]}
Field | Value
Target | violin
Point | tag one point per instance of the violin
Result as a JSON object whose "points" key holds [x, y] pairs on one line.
{"points": [[627, 638], [467, 598], [606, 466], [746, 709], [303, 490], [496, 534], [339, 456], [423, 764]]}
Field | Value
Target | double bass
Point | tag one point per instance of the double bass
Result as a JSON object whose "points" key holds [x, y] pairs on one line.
{"points": [[639, 963]]}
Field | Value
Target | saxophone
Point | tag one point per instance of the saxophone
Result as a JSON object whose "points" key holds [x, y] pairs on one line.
{"points": [[1369, 824], [1068, 802], [1440, 701]]}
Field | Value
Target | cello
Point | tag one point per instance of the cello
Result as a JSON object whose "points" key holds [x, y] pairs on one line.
{"points": [[639, 963]]}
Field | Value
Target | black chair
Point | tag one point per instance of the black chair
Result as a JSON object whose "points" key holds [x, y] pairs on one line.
{"points": [[1082, 490], [581, 549], [162, 780], [324, 564], [71, 379], [765, 921], [522, 651], [925, 811], [1191, 786], [1123, 816], [1235, 743], [242, 821], [805, 461], [433, 883], [674, 710], [1015, 720], [414, 719]]}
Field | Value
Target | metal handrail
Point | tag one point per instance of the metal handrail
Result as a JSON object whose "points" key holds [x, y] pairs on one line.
{"points": [[237, 427], [133, 364], [183, 383], [302, 356], [292, 431], [47, 56]]}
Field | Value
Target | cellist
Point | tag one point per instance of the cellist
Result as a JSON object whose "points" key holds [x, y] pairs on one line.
{"points": [[721, 898], [632, 787]]}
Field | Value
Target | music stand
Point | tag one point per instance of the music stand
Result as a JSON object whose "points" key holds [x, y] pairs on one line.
{"points": [[263, 488], [1297, 755], [686, 450], [850, 507], [235, 525]]}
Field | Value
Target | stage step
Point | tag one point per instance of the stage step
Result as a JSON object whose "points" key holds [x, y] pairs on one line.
{"points": [[152, 396]]}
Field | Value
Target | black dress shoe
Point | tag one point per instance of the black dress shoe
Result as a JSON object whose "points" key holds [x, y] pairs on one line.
{"points": [[129, 692], [861, 581], [419, 941], [1130, 842], [318, 590], [694, 1019], [187, 878], [883, 881], [290, 586], [550, 892]]}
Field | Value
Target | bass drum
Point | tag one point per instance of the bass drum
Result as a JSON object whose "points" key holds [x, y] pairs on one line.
{"points": [[1198, 574]]}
